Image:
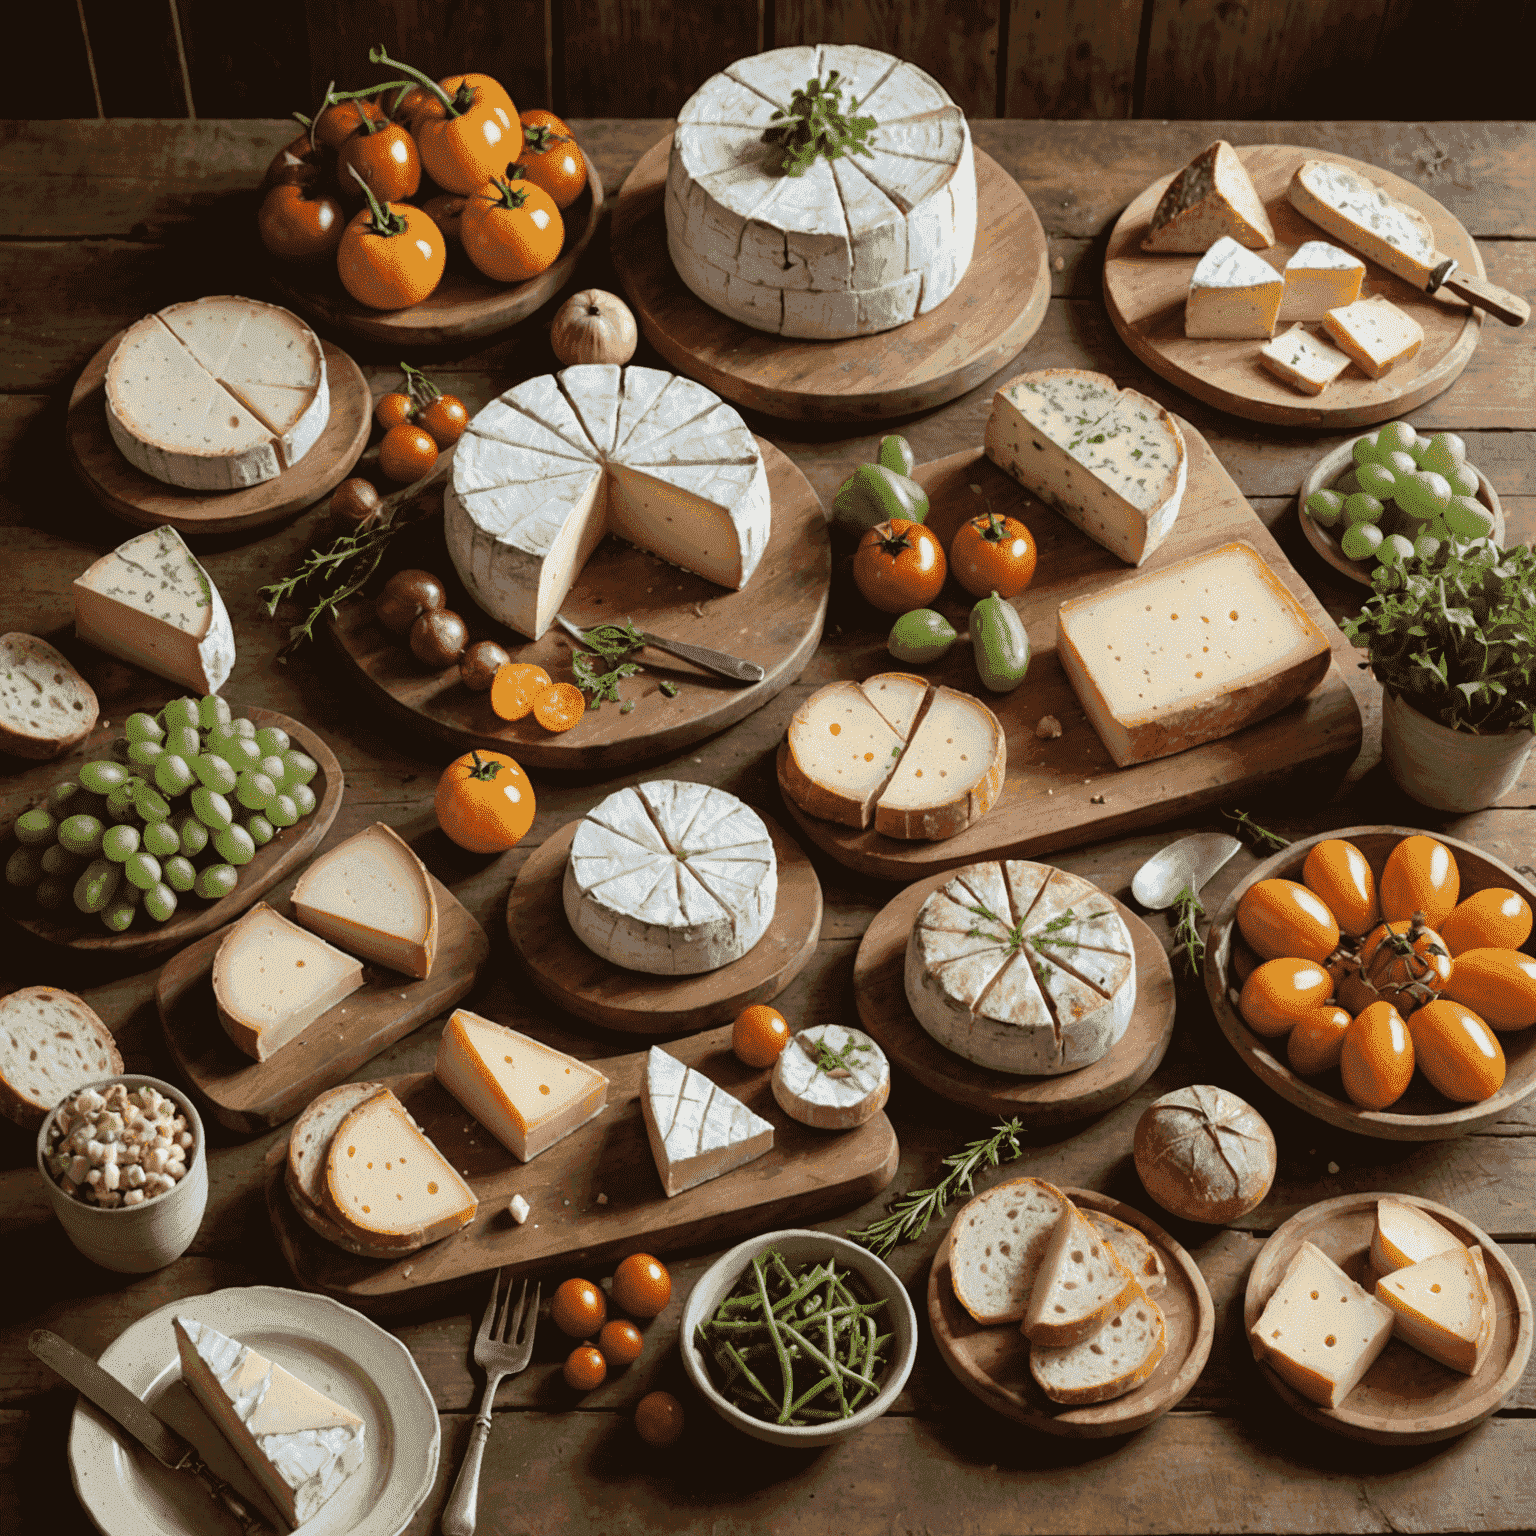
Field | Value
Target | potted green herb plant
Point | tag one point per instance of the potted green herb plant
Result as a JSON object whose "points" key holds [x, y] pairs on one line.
{"points": [[1452, 639]]}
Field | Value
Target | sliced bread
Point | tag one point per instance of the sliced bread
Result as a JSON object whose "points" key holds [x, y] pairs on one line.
{"points": [[1080, 1286], [308, 1143], [1112, 1362], [50, 1044], [996, 1246], [1134, 1249], [45, 705]]}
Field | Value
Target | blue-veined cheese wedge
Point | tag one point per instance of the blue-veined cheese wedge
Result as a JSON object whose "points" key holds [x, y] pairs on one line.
{"points": [[1375, 333], [1211, 197]]}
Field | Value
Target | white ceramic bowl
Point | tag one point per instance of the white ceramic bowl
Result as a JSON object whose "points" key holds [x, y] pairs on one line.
{"points": [[134, 1239], [800, 1246]]}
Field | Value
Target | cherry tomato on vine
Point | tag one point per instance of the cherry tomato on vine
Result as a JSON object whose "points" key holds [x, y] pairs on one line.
{"points": [[899, 566], [385, 158], [341, 119], [445, 418], [394, 409], [512, 230], [391, 255], [462, 125], [407, 453], [550, 157]]}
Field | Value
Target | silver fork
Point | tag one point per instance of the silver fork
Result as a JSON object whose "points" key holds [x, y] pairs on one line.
{"points": [[500, 1351]]}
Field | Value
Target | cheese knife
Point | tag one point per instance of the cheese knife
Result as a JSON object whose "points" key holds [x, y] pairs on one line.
{"points": [[142, 1422], [1499, 302], [722, 665]]}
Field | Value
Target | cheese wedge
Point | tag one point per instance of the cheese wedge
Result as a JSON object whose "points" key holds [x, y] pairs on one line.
{"points": [[309, 1144], [1376, 334], [1232, 294], [1115, 1360], [1319, 277], [273, 979], [1355, 210], [1406, 1234], [997, 1244], [1302, 360], [1111, 461], [372, 897], [1320, 1332], [832, 1078], [387, 1186], [1081, 1285], [1212, 197], [1439, 1306], [150, 602], [298, 1444], [1188, 654], [45, 705], [1134, 1249], [697, 1130], [527, 1095]]}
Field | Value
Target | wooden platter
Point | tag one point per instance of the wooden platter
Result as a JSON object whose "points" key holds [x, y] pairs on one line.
{"points": [[1052, 786], [253, 1096], [880, 993], [140, 499], [594, 989], [775, 620], [807, 1174], [465, 306], [1145, 294], [1422, 1114], [194, 918], [998, 306], [993, 1363], [1336, 471], [1405, 1398]]}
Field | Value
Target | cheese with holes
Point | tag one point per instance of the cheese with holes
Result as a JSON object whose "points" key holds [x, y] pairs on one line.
{"points": [[372, 897], [852, 246], [1302, 360], [1319, 277], [309, 1145], [299, 1445], [1188, 654], [1320, 1332], [544, 472], [217, 394], [1406, 1234], [671, 878], [697, 1130], [831, 1077], [1022, 968], [273, 979], [1213, 196], [1355, 210], [1233, 294], [1439, 1306], [151, 603], [527, 1095], [1375, 333], [1111, 461], [45, 705]]}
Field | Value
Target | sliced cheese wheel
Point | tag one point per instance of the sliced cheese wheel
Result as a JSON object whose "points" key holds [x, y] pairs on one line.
{"points": [[51, 1043], [842, 752], [1115, 1360], [831, 1077], [1081, 1285], [1406, 1234], [309, 1143], [697, 1130], [1439, 1306], [1213, 196], [950, 774], [45, 705], [997, 1244]]}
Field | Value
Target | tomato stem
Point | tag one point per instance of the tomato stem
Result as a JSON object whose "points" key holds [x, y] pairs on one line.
{"points": [[418, 386], [378, 56], [383, 223], [511, 197], [543, 138], [485, 772]]}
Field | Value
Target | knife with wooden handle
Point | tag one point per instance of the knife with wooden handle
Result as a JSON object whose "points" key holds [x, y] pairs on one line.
{"points": [[1499, 302]]}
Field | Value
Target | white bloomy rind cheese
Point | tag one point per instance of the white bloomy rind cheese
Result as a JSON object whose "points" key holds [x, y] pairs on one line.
{"points": [[1319, 277], [1303, 360], [45, 705], [299, 1445], [836, 1097], [697, 1130], [542, 473], [1176, 657], [217, 394], [1233, 294], [1212, 196], [151, 603], [852, 246], [1375, 333], [1110, 460], [671, 878], [527, 1095], [1364, 217]]}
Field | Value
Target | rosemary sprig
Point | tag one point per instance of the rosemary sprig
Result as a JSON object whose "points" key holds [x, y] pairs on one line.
{"points": [[1013, 937], [1260, 837], [601, 670], [814, 123], [1187, 907]]}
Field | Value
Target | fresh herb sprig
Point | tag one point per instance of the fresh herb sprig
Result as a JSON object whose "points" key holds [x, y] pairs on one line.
{"points": [[814, 123], [1187, 910], [1013, 936], [830, 1061], [600, 670], [1051, 934], [1259, 837]]}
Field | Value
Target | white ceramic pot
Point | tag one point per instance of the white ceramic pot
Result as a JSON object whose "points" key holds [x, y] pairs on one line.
{"points": [[1449, 770], [134, 1239]]}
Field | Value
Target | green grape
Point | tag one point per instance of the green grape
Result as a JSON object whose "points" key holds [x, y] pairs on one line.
{"points": [[102, 777], [1426, 546], [213, 772], [182, 711], [120, 805], [272, 738], [1364, 449], [281, 811], [212, 809], [1361, 508], [193, 835], [1468, 518], [173, 775], [119, 916], [1462, 480], [261, 830], [273, 766], [1422, 495], [238, 751], [178, 873], [303, 798], [300, 767], [255, 791], [24, 868], [1322, 507], [161, 840], [1376, 480], [142, 870], [120, 843], [142, 727], [1446, 452], [1396, 436], [1399, 463], [97, 885], [60, 796], [160, 902], [52, 892], [234, 845], [36, 828], [1394, 550], [82, 834], [1360, 541], [59, 861], [184, 740], [244, 727], [145, 754], [212, 711], [148, 802], [217, 880]]}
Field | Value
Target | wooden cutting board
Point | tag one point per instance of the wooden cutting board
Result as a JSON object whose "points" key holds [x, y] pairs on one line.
{"points": [[805, 1175]]}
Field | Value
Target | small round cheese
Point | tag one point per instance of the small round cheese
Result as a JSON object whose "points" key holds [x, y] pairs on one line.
{"points": [[832, 1078]]}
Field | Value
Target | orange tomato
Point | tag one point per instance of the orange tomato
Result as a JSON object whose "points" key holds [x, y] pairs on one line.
{"points": [[620, 1342], [511, 230], [549, 158], [341, 119], [391, 258], [484, 802], [993, 554], [1496, 918], [1457, 1051], [407, 453], [299, 223], [1318, 1038], [386, 160], [578, 1309], [1341, 875], [559, 706], [297, 163], [584, 1368], [759, 1034], [641, 1286], [492, 91], [446, 210], [1279, 992], [445, 418], [1400, 962], [1376, 1060], [899, 566], [465, 134], [1281, 918], [394, 410], [1499, 983], [658, 1418], [1420, 876], [514, 689]]}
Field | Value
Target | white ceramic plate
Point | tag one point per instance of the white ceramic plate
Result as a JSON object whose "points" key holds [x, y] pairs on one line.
{"points": [[126, 1492]]}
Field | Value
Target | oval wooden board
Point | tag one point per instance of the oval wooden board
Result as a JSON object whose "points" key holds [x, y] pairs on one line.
{"points": [[998, 306], [804, 1176], [193, 918], [140, 499], [253, 1096], [993, 1363], [1405, 1398], [1422, 1114], [880, 992], [1336, 471], [1048, 798], [594, 989], [775, 620], [1145, 295], [465, 306]]}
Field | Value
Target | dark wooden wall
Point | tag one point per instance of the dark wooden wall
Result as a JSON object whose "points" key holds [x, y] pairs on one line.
{"points": [[1412, 60]]}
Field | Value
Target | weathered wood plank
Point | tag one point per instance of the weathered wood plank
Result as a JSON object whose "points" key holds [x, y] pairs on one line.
{"points": [[136, 62], [1076, 60], [241, 71]]}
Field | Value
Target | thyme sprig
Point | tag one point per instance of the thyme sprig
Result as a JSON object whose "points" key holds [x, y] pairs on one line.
{"points": [[1187, 908], [1261, 838], [1013, 937], [601, 670], [1051, 933], [830, 1061], [814, 123]]}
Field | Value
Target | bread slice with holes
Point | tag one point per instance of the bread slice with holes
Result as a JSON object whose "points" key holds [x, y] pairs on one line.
{"points": [[1080, 1286], [45, 705], [1115, 1360], [1134, 1249], [997, 1244], [308, 1145], [50, 1044]]}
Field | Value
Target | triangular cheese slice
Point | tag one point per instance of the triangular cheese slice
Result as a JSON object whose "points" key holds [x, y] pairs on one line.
{"points": [[1211, 197], [1406, 1234], [1233, 294], [697, 1130], [298, 1444], [1439, 1306]]}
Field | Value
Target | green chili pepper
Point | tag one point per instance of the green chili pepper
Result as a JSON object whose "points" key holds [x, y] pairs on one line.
{"points": [[1000, 642], [875, 493]]}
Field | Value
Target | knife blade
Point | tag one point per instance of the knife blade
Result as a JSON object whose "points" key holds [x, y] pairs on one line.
{"points": [[732, 668], [129, 1411]]}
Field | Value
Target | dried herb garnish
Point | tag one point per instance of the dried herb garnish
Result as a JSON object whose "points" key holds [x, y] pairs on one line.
{"points": [[1260, 837], [1187, 907]]}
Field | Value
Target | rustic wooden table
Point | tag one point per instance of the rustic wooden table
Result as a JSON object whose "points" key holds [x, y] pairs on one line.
{"points": [[102, 221]]}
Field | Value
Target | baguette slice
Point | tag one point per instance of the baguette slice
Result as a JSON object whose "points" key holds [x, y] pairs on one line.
{"points": [[1109, 1363], [308, 1144], [50, 1043], [1080, 1286], [997, 1244], [1134, 1249], [45, 705]]}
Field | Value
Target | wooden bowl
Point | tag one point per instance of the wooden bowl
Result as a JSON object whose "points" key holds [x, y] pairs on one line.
{"points": [[1422, 1114], [1405, 1398]]}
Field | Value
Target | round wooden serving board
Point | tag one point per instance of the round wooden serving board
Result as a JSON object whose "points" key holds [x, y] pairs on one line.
{"points": [[1422, 1114], [194, 917], [594, 989], [998, 306], [465, 306], [140, 499], [993, 1363], [1145, 293], [1405, 1398], [880, 992], [775, 620]]}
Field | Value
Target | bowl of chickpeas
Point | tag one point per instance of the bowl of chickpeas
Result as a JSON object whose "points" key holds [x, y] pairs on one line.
{"points": [[127, 1171]]}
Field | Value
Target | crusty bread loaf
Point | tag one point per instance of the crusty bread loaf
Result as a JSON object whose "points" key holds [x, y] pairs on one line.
{"points": [[1110, 1363], [996, 1245], [1134, 1249], [45, 705], [1204, 1154], [1080, 1286], [308, 1144], [50, 1044]]}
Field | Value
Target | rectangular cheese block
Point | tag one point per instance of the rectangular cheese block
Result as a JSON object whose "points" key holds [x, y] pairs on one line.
{"points": [[1357, 211], [1186, 655], [526, 1094], [1439, 1306], [1303, 360], [1319, 277], [1233, 294], [1375, 333], [1213, 196], [697, 1130]]}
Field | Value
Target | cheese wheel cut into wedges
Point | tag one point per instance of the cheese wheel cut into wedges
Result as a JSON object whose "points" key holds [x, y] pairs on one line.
{"points": [[997, 1244], [1213, 196], [831, 1077], [1439, 1306], [1406, 1234], [309, 1144], [45, 705], [1109, 1363], [1081, 1285], [697, 1130]]}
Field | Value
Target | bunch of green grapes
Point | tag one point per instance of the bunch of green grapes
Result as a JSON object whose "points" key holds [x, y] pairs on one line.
{"points": [[187, 797], [1405, 496]]}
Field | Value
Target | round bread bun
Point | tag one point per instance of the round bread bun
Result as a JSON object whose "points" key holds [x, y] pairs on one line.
{"points": [[1205, 1154]]}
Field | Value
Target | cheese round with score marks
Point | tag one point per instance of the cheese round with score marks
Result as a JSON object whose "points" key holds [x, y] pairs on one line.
{"points": [[831, 1077]]}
